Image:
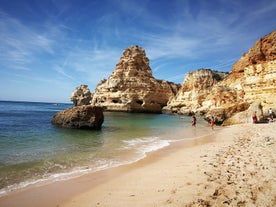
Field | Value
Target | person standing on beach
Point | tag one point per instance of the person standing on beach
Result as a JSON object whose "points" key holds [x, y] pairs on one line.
{"points": [[270, 114], [212, 122], [254, 117], [194, 121]]}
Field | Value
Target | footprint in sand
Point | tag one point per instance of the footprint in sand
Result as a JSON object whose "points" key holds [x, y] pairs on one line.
{"points": [[173, 191]]}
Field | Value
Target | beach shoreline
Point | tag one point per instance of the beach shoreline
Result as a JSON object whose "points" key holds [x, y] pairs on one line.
{"points": [[221, 168]]}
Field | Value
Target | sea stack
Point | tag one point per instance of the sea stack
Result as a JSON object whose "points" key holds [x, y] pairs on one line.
{"points": [[132, 87]]}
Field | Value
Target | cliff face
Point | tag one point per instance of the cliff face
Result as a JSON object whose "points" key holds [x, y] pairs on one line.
{"points": [[131, 86], [256, 71], [262, 51], [192, 95], [251, 85]]}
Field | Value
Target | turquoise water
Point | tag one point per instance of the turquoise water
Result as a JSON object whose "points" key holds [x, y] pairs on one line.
{"points": [[32, 150]]}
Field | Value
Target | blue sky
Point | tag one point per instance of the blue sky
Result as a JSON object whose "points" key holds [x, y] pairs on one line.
{"points": [[49, 47]]}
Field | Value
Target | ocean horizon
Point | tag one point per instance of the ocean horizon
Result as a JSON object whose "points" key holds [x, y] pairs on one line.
{"points": [[32, 150]]}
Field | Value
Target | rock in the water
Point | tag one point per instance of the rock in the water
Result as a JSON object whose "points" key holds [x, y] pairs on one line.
{"points": [[80, 117]]}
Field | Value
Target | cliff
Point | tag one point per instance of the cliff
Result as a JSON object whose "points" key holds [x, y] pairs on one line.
{"points": [[251, 86], [256, 72], [230, 97], [132, 87], [196, 87]]}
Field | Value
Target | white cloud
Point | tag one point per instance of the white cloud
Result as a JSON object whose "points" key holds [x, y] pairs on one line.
{"points": [[21, 44], [171, 46], [60, 70], [87, 64]]}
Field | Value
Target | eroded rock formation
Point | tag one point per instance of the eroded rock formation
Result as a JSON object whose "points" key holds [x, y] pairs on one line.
{"points": [[256, 72], [132, 87], [252, 81], [191, 98], [80, 117], [250, 86], [81, 96]]}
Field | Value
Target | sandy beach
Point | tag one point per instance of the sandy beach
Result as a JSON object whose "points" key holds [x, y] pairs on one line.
{"points": [[233, 166]]}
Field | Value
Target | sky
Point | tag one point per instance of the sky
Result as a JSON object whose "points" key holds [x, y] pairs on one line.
{"points": [[49, 47]]}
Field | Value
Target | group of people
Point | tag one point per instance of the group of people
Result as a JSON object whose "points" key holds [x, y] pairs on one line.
{"points": [[254, 118], [212, 122], [270, 116]]}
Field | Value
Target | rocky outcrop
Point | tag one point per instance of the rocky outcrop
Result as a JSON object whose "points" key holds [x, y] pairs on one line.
{"points": [[252, 82], [256, 72], [132, 87], [80, 117], [191, 98], [231, 97], [81, 96], [263, 51], [245, 116]]}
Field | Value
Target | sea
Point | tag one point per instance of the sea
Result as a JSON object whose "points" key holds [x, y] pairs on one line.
{"points": [[33, 151]]}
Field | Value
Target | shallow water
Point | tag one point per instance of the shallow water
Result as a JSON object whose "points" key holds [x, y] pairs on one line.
{"points": [[32, 150]]}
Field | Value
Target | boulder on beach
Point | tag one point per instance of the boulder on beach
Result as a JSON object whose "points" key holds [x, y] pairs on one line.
{"points": [[80, 117]]}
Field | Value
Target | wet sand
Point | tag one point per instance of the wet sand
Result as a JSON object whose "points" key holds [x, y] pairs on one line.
{"points": [[234, 166]]}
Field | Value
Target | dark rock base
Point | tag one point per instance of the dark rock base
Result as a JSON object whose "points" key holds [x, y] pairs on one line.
{"points": [[80, 117]]}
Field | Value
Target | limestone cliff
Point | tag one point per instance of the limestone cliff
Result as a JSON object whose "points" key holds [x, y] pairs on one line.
{"points": [[197, 85], [251, 85], [256, 72], [132, 87]]}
